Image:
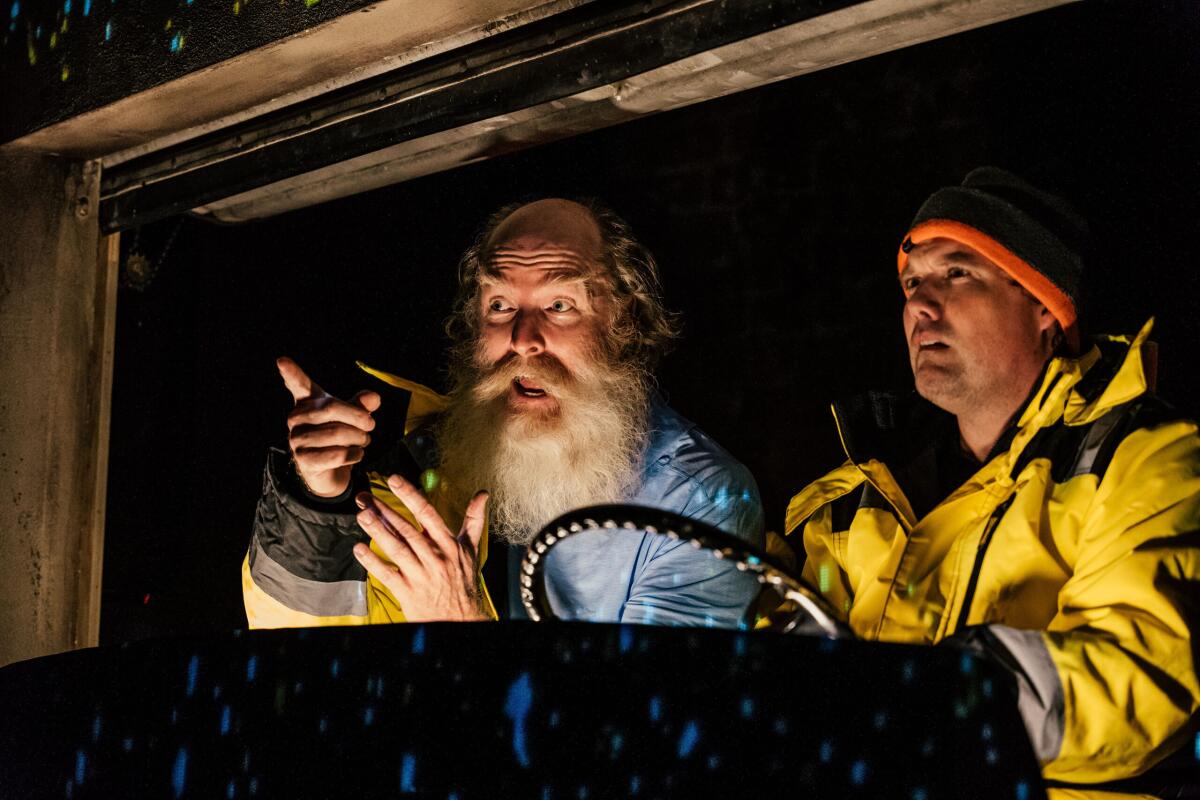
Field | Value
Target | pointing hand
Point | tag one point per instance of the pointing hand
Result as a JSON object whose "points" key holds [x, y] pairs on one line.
{"points": [[327, 436]]}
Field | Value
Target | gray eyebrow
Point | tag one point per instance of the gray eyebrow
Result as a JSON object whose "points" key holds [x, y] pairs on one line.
{"points": [[494, 277]]}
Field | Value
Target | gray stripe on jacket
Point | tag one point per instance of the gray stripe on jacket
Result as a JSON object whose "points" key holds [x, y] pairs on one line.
{"points": [[319, 598], [1039, 689]]}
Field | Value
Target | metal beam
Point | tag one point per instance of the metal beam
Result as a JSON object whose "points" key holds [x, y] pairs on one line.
{"points": [[579, 70], [547, 60], [150, 97]]}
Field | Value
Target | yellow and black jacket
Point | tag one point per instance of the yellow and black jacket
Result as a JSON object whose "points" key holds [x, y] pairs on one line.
{"points": [[299, 571], [1075, 549]]}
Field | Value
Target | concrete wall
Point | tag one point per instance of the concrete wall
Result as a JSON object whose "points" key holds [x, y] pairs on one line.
{"points": [[57, 302]]}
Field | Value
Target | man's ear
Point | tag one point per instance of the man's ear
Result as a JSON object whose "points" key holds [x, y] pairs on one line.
{"points": [[1050, 330], [1046, 320]]}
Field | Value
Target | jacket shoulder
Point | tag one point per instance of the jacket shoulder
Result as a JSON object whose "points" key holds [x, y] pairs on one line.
{"points": [[1088, 449]]}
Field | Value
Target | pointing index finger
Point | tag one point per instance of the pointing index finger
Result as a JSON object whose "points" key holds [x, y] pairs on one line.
{"points": [[296, 380]]}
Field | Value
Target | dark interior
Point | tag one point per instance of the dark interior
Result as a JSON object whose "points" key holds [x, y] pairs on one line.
{"points": [[775, 215]]}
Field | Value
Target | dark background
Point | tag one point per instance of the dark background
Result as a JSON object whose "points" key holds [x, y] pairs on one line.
{"points": [[775, 215]]}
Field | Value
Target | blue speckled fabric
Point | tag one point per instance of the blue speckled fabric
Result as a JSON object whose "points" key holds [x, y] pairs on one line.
{"points": [[559, 711], [629, 576]]}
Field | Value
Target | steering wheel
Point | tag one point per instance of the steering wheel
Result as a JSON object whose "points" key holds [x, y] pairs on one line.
{"points": [[806, 611]]}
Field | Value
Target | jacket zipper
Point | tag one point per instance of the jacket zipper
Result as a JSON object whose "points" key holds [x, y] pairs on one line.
{"points": [[980, 552]]}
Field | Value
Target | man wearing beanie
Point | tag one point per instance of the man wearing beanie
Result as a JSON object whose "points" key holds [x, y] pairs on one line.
{"points": [[1033, 501]]}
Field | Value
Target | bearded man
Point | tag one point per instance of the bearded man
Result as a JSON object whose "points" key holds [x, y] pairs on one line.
{"points": [[556, 328]]}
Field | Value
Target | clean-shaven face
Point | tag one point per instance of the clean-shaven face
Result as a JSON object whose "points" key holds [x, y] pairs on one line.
{"points": [[974, 335]]}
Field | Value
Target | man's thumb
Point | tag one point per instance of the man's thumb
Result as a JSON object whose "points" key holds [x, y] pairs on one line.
{"points": [[475, 518], [370, 401]]}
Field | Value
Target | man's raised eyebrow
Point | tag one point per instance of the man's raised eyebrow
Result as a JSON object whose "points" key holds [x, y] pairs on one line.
{"points": [[492, 275], [957, 257], [962, 257]]}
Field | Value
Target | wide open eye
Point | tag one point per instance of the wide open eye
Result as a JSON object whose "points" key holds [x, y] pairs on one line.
{"points": [[498, 305], [561, 306]]}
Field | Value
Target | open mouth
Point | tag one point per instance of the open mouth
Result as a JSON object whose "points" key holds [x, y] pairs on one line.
{"points": [[526, 387]]}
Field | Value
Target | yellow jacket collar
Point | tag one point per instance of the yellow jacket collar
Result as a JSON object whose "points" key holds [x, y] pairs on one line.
{"points": [[1079, 390], [424, 404], [1076, 390], [1128, 379]]}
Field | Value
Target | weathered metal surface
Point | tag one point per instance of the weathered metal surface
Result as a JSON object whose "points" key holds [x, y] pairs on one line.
{"points": [[57, 301], [577, 71], [856, 32], [136, 91], [64, 57]]}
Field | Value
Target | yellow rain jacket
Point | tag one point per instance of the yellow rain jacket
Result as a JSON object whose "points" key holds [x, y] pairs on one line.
{"points": [[1075, 549], [345, 594]]}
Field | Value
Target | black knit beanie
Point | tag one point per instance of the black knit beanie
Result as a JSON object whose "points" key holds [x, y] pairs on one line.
{"points": [[1036, 237]]}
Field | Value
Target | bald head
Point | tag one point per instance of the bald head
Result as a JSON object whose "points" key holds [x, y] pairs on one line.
{"points": [[560, 241], [556, 234]]}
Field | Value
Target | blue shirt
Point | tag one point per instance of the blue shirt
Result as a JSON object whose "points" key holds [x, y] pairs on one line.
{"points": [[639, 577]]}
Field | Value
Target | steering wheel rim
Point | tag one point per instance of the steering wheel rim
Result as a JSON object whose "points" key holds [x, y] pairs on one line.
{"points": [[746, 558]]}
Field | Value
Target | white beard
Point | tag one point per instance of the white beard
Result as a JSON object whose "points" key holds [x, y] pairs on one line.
{"points": [[537, 466]]}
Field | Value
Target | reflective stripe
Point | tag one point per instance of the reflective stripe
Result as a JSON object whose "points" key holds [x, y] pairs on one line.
{"points": [[1097, 437], [319, 598], [1039, 689]]}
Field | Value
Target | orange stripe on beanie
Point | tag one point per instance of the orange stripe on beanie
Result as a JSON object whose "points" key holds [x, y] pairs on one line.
{"points": [[1034, 236], [1034, 282]]}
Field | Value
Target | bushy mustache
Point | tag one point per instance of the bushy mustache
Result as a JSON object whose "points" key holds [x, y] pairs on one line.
{"points": [[538, 466], [493, 381]]}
